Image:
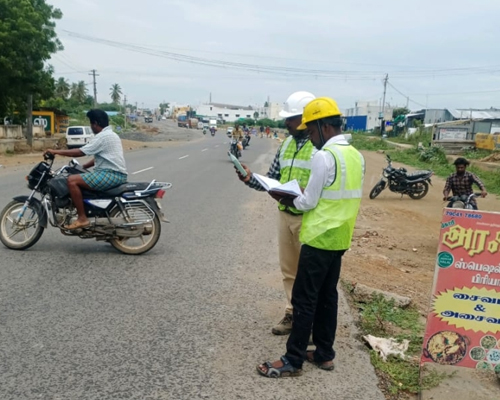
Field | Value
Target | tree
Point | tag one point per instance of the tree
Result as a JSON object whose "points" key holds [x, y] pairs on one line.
{"points": [[62, 89], [79, 92], [256, 115], [400, 111], [115, 93], [28, 37], [163, 107], [266, 104]]}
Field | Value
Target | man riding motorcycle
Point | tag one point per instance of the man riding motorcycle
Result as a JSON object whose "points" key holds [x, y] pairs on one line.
{"points": [[460, 182], [109, 162]]}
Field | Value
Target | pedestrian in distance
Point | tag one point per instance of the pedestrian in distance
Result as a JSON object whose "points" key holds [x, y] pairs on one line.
{"points": [[330, 203], [292, 161]]}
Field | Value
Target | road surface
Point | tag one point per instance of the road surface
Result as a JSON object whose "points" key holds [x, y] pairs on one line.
{"points": [[189, 320]]}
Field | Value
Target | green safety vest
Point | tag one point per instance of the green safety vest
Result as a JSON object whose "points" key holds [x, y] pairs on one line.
{"points": [[295, 165], [330, 225]]}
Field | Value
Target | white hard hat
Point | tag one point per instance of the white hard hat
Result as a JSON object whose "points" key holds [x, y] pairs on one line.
{"points": [[295, 104]]}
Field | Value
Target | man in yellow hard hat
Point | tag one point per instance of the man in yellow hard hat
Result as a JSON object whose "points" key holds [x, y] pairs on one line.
{"points": [[330, 203], [292, 161]]}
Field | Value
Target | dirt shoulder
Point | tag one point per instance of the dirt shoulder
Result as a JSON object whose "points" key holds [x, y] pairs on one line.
{"points": [[157, 135], [394, 249]]}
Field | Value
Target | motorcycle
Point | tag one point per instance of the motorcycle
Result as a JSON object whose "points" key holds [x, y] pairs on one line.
{"points": [[463, 201], [235, 148], [246, 141], [415, 185], [212, 132], [127, 216], [204, 131]]}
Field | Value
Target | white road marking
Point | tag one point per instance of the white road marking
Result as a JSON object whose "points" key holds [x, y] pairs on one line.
{"points": [[204, 149], [186, 156], [142, 170]]}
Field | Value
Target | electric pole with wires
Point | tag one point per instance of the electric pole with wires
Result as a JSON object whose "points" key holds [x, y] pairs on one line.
{"points": [[93, 73], [382, 114]]}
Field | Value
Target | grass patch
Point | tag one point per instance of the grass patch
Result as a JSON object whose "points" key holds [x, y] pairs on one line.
{"points": [[382, 318], [432, 158], [477, 154]]}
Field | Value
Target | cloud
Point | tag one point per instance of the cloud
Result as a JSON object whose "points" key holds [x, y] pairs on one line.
{"points": [[413, 42]]}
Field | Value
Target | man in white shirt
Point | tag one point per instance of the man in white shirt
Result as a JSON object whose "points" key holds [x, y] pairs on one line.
{"points": [[109, 162], [331, 203]]}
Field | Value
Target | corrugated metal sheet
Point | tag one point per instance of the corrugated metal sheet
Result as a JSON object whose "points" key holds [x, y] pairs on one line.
{"points": [[474, 114]]}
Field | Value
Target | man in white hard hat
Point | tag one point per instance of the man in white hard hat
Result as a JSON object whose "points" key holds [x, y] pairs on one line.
{"points": [[292, 161]]}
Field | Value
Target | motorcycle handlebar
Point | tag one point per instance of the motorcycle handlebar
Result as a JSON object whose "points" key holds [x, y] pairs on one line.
{"points": [[49, 156]]}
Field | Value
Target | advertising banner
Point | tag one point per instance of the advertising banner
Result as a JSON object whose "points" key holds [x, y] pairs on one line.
{"points": [[463, 325]]}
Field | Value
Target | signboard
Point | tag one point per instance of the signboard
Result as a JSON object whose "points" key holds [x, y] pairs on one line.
{"points": [[452, 134], [495, 127], [43, 120], [463, 327]]}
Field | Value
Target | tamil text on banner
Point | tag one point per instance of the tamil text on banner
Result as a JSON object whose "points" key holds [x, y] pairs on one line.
{"points": [[463, 326]]}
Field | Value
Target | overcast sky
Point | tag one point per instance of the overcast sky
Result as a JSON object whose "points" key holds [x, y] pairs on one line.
{"points": [[435, 51]]}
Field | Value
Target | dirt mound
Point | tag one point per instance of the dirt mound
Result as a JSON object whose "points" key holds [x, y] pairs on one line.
{"points": [[495, 157]]}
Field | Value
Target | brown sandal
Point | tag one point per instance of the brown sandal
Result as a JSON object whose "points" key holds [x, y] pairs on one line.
{"points": [[76, 225], [324, 365]]}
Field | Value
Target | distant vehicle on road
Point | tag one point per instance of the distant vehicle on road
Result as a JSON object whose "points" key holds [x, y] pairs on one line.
{"points": [[230, 130], [163, 118], [78, 136], [200, 125], [148, 119]]}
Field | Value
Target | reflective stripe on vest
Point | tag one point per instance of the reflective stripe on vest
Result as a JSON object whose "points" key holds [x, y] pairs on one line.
{"points": [[295, 164], [330, 225]]}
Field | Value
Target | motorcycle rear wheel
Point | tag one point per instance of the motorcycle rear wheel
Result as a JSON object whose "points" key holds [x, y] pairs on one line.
{"points": [[122, 243], [28, 227], [421, 194], [377, 189]]}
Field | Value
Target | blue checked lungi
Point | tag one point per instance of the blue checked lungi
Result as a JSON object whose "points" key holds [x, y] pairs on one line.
{"points": [[104, 179]]}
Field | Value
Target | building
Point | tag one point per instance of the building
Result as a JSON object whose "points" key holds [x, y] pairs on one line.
{"points": [[372, 110], [231, 113]]}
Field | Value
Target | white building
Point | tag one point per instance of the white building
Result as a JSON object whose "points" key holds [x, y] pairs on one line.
{"points": [[231, 113], [372, 111]]}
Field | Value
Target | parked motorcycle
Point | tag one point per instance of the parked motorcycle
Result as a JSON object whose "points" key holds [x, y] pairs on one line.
{"points": [[235, 148], [127, 216], [463, 201], [415, 185]]}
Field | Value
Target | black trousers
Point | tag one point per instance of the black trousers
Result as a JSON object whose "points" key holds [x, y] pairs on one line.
{"points": [[315, 303]]}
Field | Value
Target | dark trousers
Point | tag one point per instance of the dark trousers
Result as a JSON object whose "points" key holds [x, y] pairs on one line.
{"points": [[315, 303]]}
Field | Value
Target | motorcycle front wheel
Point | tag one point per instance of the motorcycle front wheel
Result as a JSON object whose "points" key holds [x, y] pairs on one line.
{"points": [[377, 189], [22, 234], [418, 190]]}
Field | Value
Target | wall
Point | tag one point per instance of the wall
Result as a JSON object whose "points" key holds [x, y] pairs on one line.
{"points": [[225, 114], [11, 132], [356, 123], [371, 110]]}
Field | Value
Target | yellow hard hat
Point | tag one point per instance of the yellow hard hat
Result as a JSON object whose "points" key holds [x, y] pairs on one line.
{"points": [[319, 108]]}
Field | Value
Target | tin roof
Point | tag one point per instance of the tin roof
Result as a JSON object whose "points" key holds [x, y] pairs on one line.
{"points": [[474, 114]]}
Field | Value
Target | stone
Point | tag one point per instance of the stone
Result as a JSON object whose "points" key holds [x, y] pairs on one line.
{"points": [[363, 294]]}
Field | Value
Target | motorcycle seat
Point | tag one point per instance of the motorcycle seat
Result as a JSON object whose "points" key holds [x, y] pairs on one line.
{"points": [[117, 190], [417, 175]]}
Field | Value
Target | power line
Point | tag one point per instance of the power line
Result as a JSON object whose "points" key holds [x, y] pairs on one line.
{"points": [[408, 99], [292, 71]]}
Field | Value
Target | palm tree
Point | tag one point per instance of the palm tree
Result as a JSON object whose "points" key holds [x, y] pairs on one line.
{"points": [[79, 92], [115, 93], [62, 89]]}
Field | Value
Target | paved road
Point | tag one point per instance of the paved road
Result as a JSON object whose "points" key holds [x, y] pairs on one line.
{"points": [[188, 320]]}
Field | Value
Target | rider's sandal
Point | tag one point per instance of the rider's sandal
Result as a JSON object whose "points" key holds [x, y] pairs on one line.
{"points": [[324, 365], [286, 371], [76, 225]]}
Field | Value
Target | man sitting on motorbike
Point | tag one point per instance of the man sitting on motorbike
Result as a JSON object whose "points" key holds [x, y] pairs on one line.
{"points": [[460, 182], [237, 133], [109, 171]]}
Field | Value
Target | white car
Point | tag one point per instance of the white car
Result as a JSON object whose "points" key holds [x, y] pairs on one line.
{"points": [[230, 131], [78, 136]]}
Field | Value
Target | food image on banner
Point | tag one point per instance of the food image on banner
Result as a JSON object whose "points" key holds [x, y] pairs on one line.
{"points": [[463, 325]]}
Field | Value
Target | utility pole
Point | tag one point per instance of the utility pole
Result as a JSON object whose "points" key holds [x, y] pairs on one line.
{"points": [[382, 124], [93, 73], [210, 100], [125, 110], [407, 102], [29, 127]]}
